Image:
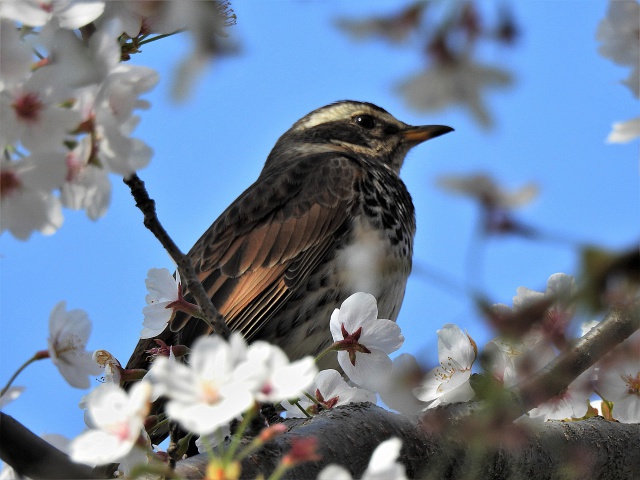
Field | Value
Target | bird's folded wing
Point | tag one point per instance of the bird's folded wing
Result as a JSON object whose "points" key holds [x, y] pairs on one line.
{"points": [[269, 240]]}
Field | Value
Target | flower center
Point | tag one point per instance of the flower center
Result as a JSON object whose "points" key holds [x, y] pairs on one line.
{"points": [[633, 384], [28, 107], [9, 182]]}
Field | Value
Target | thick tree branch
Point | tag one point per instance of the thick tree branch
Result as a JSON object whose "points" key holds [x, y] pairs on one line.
{"points": [[31, 456], [148, 208]]}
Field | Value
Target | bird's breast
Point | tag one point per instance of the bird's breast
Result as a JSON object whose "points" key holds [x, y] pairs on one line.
{"points": [[371, 262]]}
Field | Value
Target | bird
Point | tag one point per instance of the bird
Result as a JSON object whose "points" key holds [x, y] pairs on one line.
{"points": [[327, 217]]}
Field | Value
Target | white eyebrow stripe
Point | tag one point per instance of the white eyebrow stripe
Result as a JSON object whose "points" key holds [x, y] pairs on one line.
{"points": [[338, 112]]}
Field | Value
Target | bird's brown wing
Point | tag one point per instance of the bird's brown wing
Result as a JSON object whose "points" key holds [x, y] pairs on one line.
{"points": [[267, 242]]}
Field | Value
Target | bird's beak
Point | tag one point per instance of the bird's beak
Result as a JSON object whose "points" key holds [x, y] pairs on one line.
{"points": [[416, 135]]}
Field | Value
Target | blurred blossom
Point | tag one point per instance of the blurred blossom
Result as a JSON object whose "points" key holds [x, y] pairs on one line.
{"points": [[461, 81], [620, 383], [16, 57], [26, 193], [117, 426], [573, 402], [87, 186], [619, 34], [449, 382], [496, 202], [67, 13], [329, 391], [383, 465], [68, 335], [484, 189], [397, 387], [511, 361], [207, 393], [363, 340], [560, 293], [10, 395], [31, 115], [624, 132], [277, 378], [395, 28]]}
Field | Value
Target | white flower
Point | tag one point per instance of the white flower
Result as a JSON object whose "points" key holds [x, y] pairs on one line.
{"points": [[69, 332], [87, 186], [382, 466], [32, 115], [10, 395], [278, 379], [117, 417], [620, 384], [365, 340], [460, 81], [560, 291], [70, 14], [449, 382], [624, 132], [16, 57], [396, 387], [28, 203], [206, 394], [572, 403], [330, 390], [163, 291], [512, 361]]}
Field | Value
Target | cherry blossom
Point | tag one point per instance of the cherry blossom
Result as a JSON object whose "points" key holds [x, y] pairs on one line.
{"points": [[560, 291], [572, 403], [624, 132], [397, 387], [278, 378], [619, 32], [87, 186], [329, 391], [164, 292], [33, 115], [449, 382], [383, 465], [68, 13], [118, 430], [207, 393], [461, 81], [16, 57], [620, 383], [28, 202], [362, 339], [69, 332]]}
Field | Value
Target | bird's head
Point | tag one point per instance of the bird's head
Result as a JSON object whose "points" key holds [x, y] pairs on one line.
{"points": [[359, 128]]}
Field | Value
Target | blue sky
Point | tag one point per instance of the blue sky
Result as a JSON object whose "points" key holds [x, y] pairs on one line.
{"points": [[550, 128]]}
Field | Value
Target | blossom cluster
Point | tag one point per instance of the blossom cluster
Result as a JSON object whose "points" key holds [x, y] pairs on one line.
{"points": [[618, 33], [223, 380], [67, 101]]}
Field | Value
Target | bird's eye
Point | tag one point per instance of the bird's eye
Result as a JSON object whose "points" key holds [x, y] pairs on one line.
{"points": [[365, 121]]}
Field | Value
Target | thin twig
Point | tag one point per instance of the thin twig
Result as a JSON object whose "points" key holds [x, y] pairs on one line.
{"points": [[187, 273]]}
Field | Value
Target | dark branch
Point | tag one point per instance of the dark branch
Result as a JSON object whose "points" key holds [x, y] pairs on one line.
{"points": [[148, 208], [31, 456]]}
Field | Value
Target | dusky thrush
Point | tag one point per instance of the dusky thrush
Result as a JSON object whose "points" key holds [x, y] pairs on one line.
{"points": [[327, 217]]}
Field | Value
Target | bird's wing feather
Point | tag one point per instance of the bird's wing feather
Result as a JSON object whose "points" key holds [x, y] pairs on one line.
{"points": [[266, 243]]}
